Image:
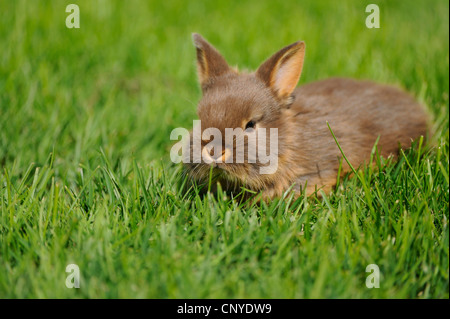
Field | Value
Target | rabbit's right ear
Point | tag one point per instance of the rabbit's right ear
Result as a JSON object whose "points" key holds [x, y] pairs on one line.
{"points": [[282, 70], [210, 63]]}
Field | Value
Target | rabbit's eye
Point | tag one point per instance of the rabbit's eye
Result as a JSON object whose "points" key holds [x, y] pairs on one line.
{"points": [[250, 125]]}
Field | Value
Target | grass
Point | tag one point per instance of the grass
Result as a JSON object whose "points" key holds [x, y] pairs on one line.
{"points": [[85, 119]]}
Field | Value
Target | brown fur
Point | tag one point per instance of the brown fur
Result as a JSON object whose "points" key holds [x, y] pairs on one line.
{"points": [[357, 111]]}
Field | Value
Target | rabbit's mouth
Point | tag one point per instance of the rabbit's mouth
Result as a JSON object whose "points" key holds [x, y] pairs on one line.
{"points": [[231, 176], [221, 171], [237, 174]]}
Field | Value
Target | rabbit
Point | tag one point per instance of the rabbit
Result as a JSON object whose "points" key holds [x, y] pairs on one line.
{"points": [[358, 112]]}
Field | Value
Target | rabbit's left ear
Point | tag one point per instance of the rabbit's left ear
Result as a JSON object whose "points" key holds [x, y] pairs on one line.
{"points": [[282, 70], [210, 63]]}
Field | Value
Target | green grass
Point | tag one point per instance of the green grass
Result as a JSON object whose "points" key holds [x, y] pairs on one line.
{"points": [[85, 118]]}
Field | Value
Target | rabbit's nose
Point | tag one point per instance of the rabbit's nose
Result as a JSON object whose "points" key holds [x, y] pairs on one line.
{"points": [[211, 155], [215, 154], [207, 155]]}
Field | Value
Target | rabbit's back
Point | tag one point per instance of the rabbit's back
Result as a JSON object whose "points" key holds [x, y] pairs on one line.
{"points": [[357, 112]]}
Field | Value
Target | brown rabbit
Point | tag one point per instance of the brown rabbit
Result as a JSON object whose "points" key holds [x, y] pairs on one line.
{"points": [[357, 111]]}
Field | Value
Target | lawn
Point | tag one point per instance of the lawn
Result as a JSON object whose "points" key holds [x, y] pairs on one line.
{"points": [[86, 177]]}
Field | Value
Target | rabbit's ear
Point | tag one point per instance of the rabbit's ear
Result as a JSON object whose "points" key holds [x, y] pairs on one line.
{"points": [[210, 63], [282, 70]]}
